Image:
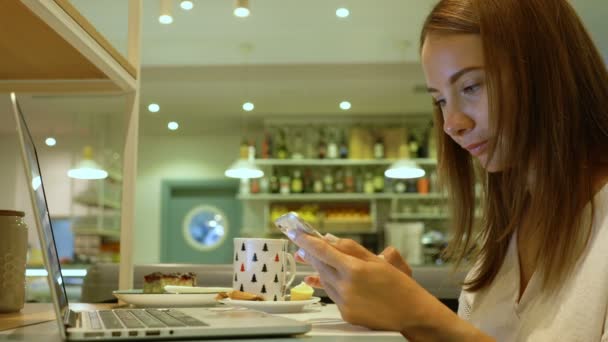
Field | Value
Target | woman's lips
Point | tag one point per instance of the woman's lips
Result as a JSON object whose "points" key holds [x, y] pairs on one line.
{"points": [[477, 149]]}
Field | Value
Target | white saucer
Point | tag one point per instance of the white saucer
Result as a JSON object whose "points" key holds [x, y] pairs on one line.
{"points": [[284, 306], [141, 299]]}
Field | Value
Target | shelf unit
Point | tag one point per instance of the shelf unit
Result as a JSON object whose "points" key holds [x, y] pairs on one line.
{"points": [[51, 48], [337, 162], [348, 197]]}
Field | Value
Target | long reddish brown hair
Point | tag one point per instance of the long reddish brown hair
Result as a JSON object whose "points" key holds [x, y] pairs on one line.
{"points": [[548, 104]]}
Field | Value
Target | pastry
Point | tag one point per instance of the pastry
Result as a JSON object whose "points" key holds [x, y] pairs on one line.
{"points": [[155, 282], [239, 295], [301, 292]]}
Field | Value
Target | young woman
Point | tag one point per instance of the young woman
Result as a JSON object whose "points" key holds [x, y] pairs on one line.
{"points": [[521, 96]]}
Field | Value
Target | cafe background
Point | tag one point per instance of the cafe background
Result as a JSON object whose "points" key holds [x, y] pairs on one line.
{"points": [[336, 101]]}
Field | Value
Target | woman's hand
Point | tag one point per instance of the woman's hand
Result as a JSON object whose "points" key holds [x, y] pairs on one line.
{"points": [[350, 247], [371, 292]]}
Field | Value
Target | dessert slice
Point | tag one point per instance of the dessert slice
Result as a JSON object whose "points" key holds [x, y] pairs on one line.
{"points": [[155, 282], [239, 295], [301, 292]]}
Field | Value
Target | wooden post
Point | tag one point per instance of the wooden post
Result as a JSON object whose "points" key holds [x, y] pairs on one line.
{"points": [[127, 225]]}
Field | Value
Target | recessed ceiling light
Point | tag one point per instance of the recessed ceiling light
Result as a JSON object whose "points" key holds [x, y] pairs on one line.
{"points": [[186, 5], [165, 19], [241, 9], [153, 107], [173, 125], [248, 106], [50, 141], [345, 105], [342, 12]]}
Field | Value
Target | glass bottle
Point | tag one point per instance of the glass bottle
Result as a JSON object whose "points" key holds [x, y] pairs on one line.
{"points": [[359, 182], [285, 184], [308, 181], [274, 184], [328, 182], [332, 147], [282, 152], [413, 146], [378, 181], [298, 146], [339, 180], [296, 182], [244, 149], [349, 180], [254, 186], [264, 185], [368, 185], [317, 186], [379, 147], [322, 146], [267, 146], [343, 148]]}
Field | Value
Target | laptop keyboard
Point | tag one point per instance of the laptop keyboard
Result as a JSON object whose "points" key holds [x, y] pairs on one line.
{"points": [[141, 318]]}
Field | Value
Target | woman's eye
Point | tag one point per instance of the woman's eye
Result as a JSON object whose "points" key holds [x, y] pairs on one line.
{"points": [[471, 89]]}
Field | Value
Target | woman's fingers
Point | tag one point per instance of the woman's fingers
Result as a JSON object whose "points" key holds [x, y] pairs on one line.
{"points": [[319, 249], [393, 257], [354, 249], [314, 281]]}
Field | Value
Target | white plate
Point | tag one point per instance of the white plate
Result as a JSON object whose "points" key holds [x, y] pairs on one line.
{"points": [[285, 306], [141, 299]]}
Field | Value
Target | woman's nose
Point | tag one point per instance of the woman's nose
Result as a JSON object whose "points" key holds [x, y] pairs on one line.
{"points": [[457, 123]]}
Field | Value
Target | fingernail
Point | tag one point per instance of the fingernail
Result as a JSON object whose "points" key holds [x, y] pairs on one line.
{"points": [[330, 238], [301, 253], [291, 234], [381, 256]]}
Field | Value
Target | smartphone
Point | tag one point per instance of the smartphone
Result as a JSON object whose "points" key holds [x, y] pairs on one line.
{"points": [[291, 221]]}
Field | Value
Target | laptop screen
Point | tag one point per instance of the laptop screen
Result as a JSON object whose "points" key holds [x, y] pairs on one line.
{"points": [[41, 210]]}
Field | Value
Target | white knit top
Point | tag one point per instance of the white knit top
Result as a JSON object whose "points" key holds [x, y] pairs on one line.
{"points": [[577, 312]]}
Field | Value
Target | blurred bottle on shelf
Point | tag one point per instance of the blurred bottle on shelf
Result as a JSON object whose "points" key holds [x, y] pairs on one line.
{"points": [[254, 186], [332, 146], [349, 180], [432, 143], [311, 143], [339, 180], [282, 152], [264, 185], [296, 182], [322, 146], [359, 181], [379, 147], [368, 185], [298, 146], [285, 184], [328, 181], [399, 186], [317, 186], [378, 181], [275, 187], [267, 146], [308, 181], [413, 146], [343, 148], [422, 185]]}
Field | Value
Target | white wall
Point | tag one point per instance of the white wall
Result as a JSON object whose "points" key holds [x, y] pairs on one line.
{"points": [[173, 158]]}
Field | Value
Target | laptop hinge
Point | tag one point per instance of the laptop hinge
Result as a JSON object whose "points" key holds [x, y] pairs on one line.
{"points": [[70, 318]]}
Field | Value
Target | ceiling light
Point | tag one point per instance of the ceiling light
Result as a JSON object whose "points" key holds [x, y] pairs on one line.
{"points": [[165, 12], [186, 5], [248, 106], [245, 168], [173, 125], [345, 105], [342, 12], [87, 168], [404, 169], [241, 9], [153, 107], [50, 141]]}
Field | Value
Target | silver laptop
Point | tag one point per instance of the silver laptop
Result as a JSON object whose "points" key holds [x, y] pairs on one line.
{"points": [[126, 324]]}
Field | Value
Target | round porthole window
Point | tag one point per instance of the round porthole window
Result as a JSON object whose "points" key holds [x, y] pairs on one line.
{"points": [[205, 227]]}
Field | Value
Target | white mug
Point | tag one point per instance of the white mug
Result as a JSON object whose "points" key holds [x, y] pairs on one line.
{"points": [[263, 267]]}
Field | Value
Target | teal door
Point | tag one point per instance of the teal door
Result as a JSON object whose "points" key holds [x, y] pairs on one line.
{"points": [[200, 219]]}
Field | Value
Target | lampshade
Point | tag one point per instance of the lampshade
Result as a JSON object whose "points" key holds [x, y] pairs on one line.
{"points": [[404, 169], [87, 168], [245, 168]]}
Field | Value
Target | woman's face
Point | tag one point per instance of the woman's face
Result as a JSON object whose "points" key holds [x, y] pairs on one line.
{"points": [[454, 70]]}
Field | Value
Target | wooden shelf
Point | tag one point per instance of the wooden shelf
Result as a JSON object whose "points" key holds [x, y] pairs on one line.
{"points": [[338, 197], [48, 46], [336, 162], [419, 216]]}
